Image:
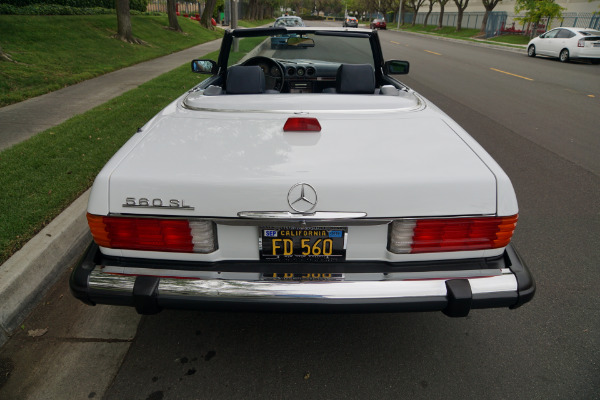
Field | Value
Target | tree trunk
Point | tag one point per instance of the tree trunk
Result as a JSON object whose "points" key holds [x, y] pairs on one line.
{"points": [[459, 20], [124, 31], [485, 20], [461, 5], [441, 19], [205, 19], [403, 8], [534, 30], [489, 7], [254, 5], [414, 21], [172, 13], [431, 3]]}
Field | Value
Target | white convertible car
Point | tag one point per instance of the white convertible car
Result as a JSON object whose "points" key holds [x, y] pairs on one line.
{"points": [[302, 178]]}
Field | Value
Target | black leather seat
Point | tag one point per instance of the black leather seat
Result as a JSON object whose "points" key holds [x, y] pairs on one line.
{"points": [[245, 80], [355, 79]]}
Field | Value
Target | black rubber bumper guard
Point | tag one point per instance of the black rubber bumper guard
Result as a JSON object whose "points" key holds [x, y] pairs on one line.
{"points": [[145, 298]]}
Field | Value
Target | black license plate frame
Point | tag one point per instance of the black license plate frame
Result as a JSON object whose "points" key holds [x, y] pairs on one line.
{"points": [[307, 244]]}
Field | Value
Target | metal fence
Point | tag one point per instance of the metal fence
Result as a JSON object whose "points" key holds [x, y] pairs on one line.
{"points": [[184, 8], [471, 20], [581, 20], [499, 21]]}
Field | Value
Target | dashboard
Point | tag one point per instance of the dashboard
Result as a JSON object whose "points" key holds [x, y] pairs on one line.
{"points": [[296, 76]]}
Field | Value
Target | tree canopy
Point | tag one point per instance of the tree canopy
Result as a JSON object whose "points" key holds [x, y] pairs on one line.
{"points": [[535, 10]]}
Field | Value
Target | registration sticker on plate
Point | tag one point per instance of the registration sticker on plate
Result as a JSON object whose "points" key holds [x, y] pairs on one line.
{"points": [[313, 244]]}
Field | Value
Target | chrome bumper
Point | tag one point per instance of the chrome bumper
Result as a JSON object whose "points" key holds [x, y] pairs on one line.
{"points": [[95, 280]]}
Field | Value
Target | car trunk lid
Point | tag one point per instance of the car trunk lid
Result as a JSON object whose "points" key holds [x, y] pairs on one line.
{"points": [[218, 164]]}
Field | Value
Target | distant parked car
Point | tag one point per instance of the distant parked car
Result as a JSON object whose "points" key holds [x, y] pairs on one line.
{"points": [[350, 22], [285, 22], [378, 24], [567, 44], [288, 22]]}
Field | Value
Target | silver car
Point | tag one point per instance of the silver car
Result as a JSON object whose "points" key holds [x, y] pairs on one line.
{"points": [[567, 44]]}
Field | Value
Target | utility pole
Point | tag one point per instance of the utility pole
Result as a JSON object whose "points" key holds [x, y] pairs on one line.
{"points": [[234, 23]]}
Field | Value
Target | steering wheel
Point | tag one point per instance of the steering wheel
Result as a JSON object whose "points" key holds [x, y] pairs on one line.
{"points": [[274, 74]]}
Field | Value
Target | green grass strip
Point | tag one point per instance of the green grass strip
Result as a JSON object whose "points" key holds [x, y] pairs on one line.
{"points": [[466, 34], [446, 31], [511, 39], [255, 23], [51, 52], [45, 174]]}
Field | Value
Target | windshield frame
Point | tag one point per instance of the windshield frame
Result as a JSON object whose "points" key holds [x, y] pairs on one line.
{"points": [[372, 36]]}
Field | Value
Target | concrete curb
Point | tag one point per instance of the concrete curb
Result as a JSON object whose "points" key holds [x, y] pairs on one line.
{"points": [[29, 273]]}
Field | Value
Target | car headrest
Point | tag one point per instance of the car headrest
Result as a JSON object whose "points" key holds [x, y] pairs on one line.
{"points": [[245, 80], [355, 79]]}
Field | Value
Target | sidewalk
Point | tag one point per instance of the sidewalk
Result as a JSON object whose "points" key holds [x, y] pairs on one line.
{"points": [[29, 273], [22, 120]]}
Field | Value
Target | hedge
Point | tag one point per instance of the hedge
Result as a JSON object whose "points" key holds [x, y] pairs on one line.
{"points": [[139, 5], [52, 9]]}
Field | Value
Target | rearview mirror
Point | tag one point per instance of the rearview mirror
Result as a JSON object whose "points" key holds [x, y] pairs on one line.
{"points": [[204, 66], [396, 67], [300, 42]]}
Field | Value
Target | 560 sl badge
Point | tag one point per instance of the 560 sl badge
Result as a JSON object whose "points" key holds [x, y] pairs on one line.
{"points": [[143, 202]]}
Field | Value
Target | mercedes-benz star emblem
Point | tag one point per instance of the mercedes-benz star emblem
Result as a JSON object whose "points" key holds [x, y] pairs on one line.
{"points": [[302, 197]]}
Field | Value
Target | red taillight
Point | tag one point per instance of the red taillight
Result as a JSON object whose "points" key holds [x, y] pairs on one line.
{"points": [[150, 234], [302, 125], [452, 234], [581, 43]]}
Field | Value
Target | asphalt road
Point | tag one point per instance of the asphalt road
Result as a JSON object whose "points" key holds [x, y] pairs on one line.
{"points": [[543, 132]]}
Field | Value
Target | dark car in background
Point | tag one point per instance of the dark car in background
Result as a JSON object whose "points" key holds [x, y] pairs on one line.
{"points": [[350, 22], [378, 23]]}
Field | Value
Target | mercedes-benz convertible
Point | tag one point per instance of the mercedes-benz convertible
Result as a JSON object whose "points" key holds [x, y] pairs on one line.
{"points": [[265, 187]]}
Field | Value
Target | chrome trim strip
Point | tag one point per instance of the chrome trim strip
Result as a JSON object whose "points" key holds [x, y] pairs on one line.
{"points": [[261, 218], [256, 276], [249, 217], [273, 291], [268, 290], [493, 284], [159, 207], [102, 281], [233, 221], [418, 107], [324, 215]]}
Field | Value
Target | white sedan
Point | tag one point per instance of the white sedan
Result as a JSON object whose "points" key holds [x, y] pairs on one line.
{"points": [[567, 44], [303, 178]]}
